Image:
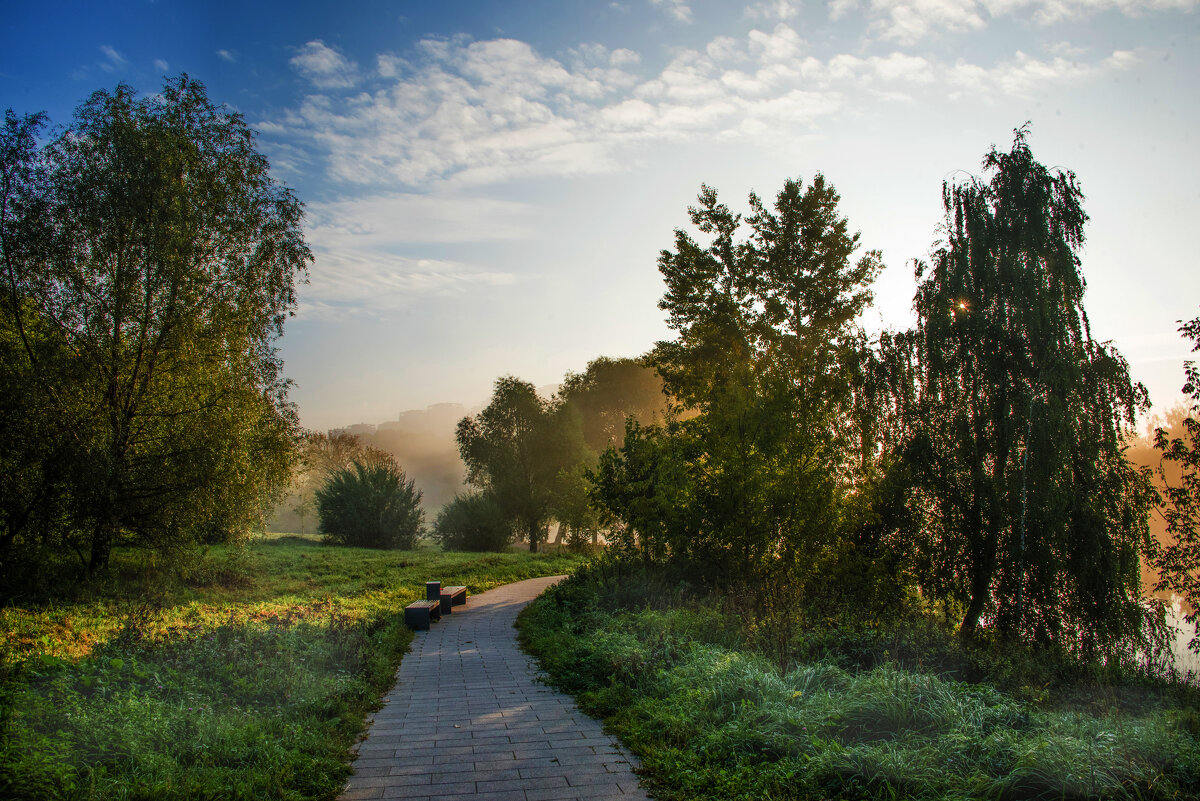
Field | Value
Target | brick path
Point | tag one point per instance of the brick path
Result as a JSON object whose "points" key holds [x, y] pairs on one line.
{"points": [[468, 721]]}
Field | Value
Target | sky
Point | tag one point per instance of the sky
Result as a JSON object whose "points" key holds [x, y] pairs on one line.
{"points": [[488, 185]]}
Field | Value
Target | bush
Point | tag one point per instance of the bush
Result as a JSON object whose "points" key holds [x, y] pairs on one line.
{"points": [[371, 506], [472, 522]]}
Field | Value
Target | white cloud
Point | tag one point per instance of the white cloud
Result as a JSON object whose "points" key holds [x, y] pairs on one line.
{"points": [[622, 56], [492, 108], [227, 56], [782, 44], [325, 67], [404, 218], [362, 245], [1048, 12], [160, 65], [678, 9], [1067, 50], [113, 60], [773, 10], [478, 112], [840, 8], [360, 281], [910, 21], [901, 67], [389, 66], [1024, 74]]}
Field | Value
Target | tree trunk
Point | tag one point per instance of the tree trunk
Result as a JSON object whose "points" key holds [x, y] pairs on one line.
{"points": [[533, 538], [101, 548]]}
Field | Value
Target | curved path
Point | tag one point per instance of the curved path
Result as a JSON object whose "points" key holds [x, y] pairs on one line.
{"points": [[469, 721]]}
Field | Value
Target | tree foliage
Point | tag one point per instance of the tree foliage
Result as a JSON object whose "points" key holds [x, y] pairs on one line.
{"points": [[1029, 515], [149, 262], [319, 456], [517, 449], [766, 360], [610, 391], [1178, 559], [370, 506], [473, 522]]}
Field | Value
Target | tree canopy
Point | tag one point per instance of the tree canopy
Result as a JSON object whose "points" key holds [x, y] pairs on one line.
{"points": [[516, 450], [765, 362], [1028, 513], [608, 392], [149, 263], [370, 506]]}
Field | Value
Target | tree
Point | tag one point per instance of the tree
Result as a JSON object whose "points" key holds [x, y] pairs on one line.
{"points": [[1032, 517], [610, 391], [598, 402], [319, 456], [767, 350], [473, 522], [370, 506], [149, 262], [515, 449], [1178, 559]]}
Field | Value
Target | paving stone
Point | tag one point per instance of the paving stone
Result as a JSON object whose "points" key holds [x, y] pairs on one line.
{"points": [[469, 721]]}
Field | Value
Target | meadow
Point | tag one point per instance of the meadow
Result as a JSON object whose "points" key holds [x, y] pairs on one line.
{"points": [[242, 672], [696, 684]]}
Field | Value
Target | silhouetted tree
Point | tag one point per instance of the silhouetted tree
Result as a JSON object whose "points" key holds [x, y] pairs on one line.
{"points": [[319, 456], [610, 391], [1032, 517], [765, 360]]}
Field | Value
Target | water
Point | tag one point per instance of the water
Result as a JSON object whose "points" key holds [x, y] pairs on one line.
{"points": [[1185, 659]]}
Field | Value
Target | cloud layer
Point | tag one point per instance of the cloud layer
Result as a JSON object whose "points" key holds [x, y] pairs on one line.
{"points": [[485, 111], [417, 141]]}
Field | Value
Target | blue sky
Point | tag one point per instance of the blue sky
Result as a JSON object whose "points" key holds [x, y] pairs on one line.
{"points": [[488, 184]]}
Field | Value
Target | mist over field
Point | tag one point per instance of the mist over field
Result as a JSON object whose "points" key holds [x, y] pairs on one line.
{"points": [[422, 443]]}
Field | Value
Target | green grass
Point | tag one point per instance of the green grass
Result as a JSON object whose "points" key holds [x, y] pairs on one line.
{"points": [[711, 718], [244, 674]]}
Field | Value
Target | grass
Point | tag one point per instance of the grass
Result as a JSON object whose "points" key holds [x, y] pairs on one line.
{"points": [[247, 673], [677, 677]]}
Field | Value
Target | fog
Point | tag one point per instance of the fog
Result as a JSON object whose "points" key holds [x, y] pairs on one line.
{"points": [[1141, 452], [422, 442]]}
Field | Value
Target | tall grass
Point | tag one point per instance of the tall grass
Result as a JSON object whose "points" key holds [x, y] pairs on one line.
{"points": [[249, 678], [712, 715]]}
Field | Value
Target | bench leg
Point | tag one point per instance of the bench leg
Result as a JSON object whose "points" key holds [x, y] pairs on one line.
{"points": [[417, 619]]}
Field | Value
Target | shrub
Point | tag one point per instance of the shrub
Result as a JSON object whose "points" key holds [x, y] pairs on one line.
{"points": [[371, 506], [473, 522]]}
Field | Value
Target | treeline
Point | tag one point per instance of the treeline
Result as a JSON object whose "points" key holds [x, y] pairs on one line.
{"points": [[528, 458], [972, 466]]}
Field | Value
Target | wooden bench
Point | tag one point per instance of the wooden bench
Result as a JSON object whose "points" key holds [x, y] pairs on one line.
{"points": [[452, 596], [419, 614], [448, 596]]}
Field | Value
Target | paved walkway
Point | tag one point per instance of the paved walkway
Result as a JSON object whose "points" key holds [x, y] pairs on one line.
{"points": [[468, 720]]}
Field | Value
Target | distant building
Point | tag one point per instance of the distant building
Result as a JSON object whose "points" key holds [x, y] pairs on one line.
{"points": [[437, 418], [357, 430]]}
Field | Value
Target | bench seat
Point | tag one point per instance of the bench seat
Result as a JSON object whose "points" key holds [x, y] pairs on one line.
{"points": [[419, 614], [452, 596]]}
